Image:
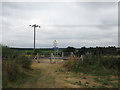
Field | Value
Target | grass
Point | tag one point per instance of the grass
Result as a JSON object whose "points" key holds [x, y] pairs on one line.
{"points": [[43, 75], [14, 66], [77, 83], [19, 73], [106, 82], [42, 51], [40, 77], [30, 81], [84, 78], [97, 66]]}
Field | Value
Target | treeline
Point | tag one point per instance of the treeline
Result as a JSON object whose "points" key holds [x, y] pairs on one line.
{"points": [[94, 50], [14, 66]]}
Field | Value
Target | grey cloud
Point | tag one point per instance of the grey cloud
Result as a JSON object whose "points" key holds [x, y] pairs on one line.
{"points": [[77, 24], [98, 5]]}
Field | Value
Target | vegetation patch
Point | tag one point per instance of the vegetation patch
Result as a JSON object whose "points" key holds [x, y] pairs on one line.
{"points": [[15, 66], [96, 65], [77, 83]]}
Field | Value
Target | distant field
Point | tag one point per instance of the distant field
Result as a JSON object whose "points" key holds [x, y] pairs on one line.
{"points": [[44, 51]]}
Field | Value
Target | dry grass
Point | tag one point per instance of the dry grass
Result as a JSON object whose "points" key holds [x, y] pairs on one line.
{"points": [[46, 75]]}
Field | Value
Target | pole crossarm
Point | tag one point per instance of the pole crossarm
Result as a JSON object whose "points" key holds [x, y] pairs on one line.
{"points": [[34, 26], [34, 33]]}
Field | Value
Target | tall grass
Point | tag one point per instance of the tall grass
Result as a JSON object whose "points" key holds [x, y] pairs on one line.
{"points": [[97, 65], [14, 65]]}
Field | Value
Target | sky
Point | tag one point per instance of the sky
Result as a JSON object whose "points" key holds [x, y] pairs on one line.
{"points": [[75, 24]]}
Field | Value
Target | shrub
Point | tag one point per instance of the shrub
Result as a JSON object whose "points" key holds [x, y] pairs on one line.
{"points": [[94, 64], [14, 65], [24, 62]]}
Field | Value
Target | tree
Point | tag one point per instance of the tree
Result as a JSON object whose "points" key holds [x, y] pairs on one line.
{"points": [[69, 49]]}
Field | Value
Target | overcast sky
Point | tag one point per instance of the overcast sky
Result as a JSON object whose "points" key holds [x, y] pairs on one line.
{"points": [[74, 24]]}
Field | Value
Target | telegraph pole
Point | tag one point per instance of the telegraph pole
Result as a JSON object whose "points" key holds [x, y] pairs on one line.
{"points": [[34, 26]]}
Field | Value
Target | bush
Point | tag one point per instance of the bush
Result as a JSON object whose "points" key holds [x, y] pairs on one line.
{"points": [[24, 62], [9, 53], [14, 65], [94, 64], [110, 62]]}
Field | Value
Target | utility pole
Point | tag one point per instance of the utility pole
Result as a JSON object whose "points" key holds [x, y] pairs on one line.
{"points": [[34, 26]]}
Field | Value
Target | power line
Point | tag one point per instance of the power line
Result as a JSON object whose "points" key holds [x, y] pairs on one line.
{"points": [[34, 26]]}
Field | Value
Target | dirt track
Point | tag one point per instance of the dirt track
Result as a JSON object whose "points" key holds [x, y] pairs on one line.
{"points": [[48, 75]]}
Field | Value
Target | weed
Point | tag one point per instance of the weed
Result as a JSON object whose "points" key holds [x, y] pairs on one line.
{"points": [[97, 80], [86, 83], [84, 78], [97, 65], [77, 83], [14, 66], [102, 81]]}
